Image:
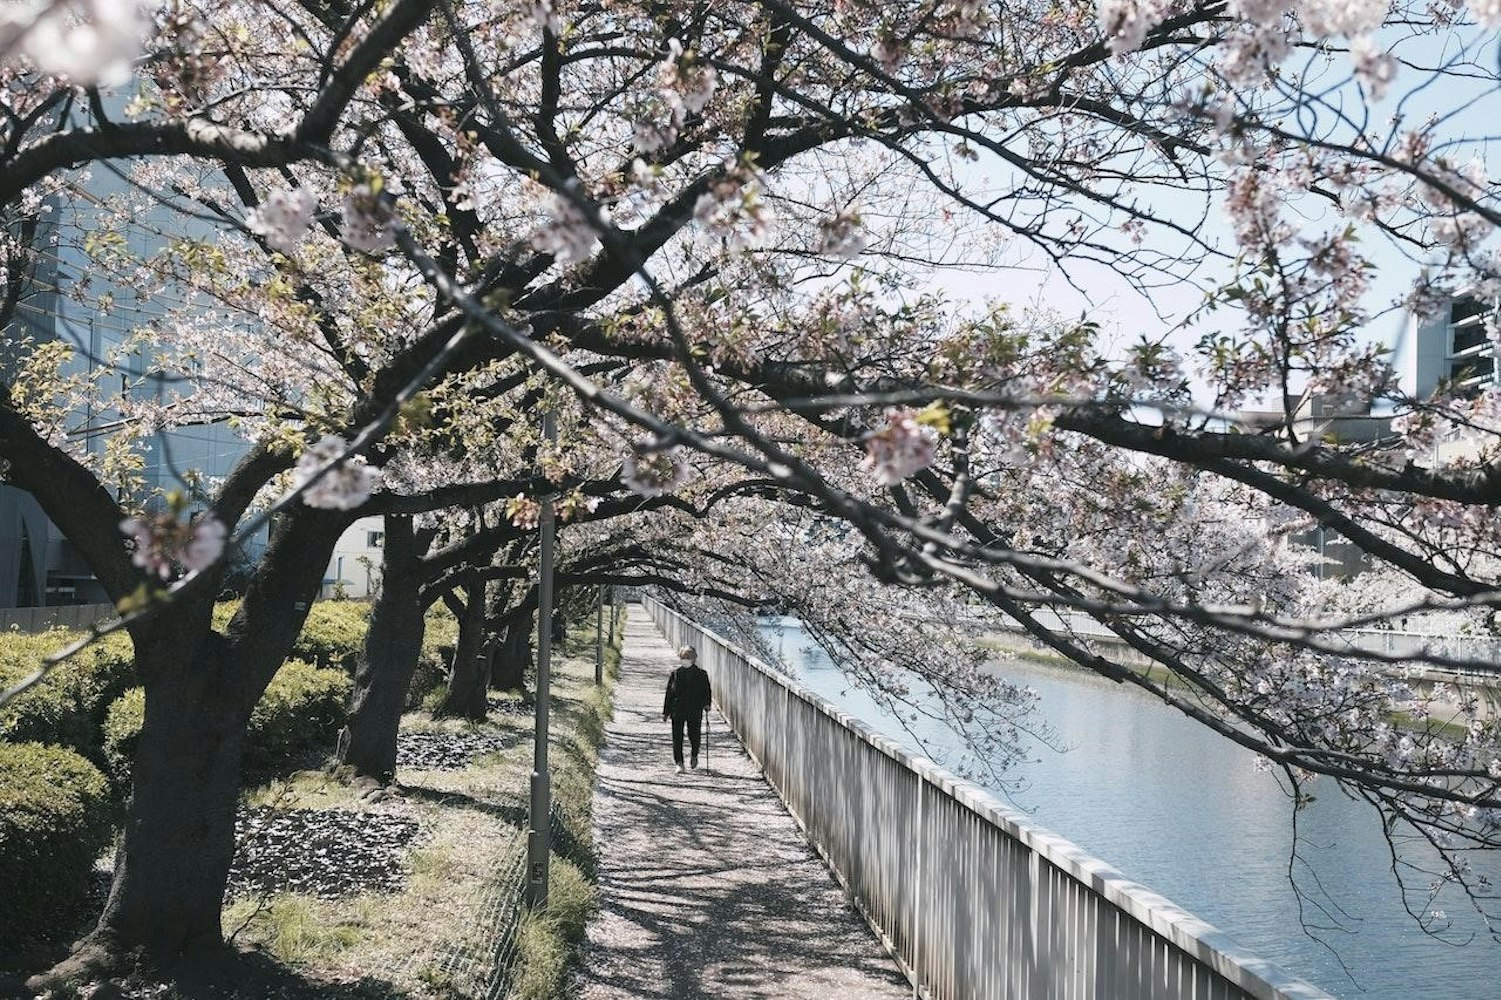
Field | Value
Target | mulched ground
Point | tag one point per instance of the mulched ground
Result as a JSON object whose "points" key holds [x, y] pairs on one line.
{"points": [[322, 852], [439, 751]]}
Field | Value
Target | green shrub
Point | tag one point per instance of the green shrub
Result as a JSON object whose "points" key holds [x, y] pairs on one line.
{"points": [[68, 707], [303, 706], [439, 639], [333, 634], [55, 819], [122, 726]]}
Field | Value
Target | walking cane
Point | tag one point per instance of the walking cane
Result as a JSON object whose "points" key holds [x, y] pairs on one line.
{"points": [[706, 737]]}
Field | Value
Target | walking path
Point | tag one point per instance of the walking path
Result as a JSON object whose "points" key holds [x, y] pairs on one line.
{"points": [[707, 887]]}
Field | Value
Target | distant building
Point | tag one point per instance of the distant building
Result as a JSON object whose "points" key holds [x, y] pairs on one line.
{"points": [[1452, 347], [38, 566], [1329, 419], [354, 567]]}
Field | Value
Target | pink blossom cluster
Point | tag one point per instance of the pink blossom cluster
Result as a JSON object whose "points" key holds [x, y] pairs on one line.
{"points": [[899, 449], [524, 511], [161, 543], [652, 472], [732, 209], [568, 235], [343, 486], [87, 41], [842, 237], [284, 217], [369, 219], [685, 85]]}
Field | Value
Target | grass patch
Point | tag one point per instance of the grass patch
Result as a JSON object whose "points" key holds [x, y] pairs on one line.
{"points": [[547, 940], [437, 937], [299, 930]]}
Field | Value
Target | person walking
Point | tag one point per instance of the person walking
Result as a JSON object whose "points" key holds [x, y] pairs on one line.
{"points": [[688, 697]]}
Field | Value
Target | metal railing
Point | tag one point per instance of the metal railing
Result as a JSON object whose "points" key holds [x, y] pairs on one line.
{"points": [[971, 898]]}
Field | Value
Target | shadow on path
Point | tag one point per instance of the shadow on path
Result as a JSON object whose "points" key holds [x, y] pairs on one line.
{"points": [[707, 887]]}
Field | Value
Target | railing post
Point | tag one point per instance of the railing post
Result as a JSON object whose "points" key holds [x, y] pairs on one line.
{"points": [[917, 851]]}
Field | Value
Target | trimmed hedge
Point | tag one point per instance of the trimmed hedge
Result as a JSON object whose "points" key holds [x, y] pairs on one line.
{"points": [[333, 634], [303, 706], [68, 707], [56, 817], [439, 640]]}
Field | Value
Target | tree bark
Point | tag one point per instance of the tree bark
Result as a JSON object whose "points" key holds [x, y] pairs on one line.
{"points": [[179, 836], [469, 675], [513, 656], [388, 659], [178, 843]]}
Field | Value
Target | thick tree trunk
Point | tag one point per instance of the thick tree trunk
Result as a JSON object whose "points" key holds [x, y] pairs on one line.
{"points": [[388, 659], [513, 656], [179, 836], [178, 843], [469, 675]]}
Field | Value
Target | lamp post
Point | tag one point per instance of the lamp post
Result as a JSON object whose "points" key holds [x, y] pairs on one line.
{"points": [[538, 837], [599, 635]]}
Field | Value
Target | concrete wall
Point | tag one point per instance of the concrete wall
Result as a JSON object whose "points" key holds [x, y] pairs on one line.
{"points": [[356, 560]]}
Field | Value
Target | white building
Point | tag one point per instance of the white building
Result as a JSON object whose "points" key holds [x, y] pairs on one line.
{"points": [[354, 567], [1452, 346]]}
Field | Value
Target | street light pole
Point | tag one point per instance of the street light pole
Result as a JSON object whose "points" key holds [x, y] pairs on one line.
{"points": [[538, 837], [599, 635]]}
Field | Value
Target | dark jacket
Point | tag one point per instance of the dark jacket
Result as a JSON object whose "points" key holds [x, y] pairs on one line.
{"points": [[688, 692]]}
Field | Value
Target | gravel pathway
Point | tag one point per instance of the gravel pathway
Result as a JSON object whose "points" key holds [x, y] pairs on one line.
{"points": [[707, 887]]}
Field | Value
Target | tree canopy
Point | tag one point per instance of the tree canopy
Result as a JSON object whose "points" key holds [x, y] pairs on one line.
{"points": [[719, 241]]}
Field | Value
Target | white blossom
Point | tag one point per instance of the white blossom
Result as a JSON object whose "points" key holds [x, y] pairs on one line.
{"points": [[161, 542], [1487, 12], [1126, 22], [899, 449], [652, 473], [369, 220], [568, 235], [87, 41], [284, 217], [524, 511], [1375, 67], [543, 15], [687, 84], [205, 544], [343, 487], [147, 554], [842, 237]]}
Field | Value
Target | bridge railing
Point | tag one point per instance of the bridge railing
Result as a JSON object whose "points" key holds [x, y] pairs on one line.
{"points": [[971, 898]]}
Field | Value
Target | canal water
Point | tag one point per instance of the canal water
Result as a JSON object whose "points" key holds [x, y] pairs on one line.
{"points": [[1186, 813]]}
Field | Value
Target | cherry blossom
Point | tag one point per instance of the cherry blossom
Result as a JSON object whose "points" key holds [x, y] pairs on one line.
{"points": [[652, 472], [369, 220], [345, 486], [161, 542], [842, 237], [567, 235], [87, 41], [900, 448], [284, 217]]}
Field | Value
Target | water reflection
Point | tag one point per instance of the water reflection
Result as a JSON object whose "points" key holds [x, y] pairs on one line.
{"points": [[1185, 812]]}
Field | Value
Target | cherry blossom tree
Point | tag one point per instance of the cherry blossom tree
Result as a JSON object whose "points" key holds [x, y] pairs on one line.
{"points": [[702, 229]]}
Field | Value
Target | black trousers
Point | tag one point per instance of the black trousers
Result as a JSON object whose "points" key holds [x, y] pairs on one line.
{"points": [[695, 725]]}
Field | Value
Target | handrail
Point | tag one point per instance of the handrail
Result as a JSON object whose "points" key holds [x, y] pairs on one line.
{"points": [[972, 898]]}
